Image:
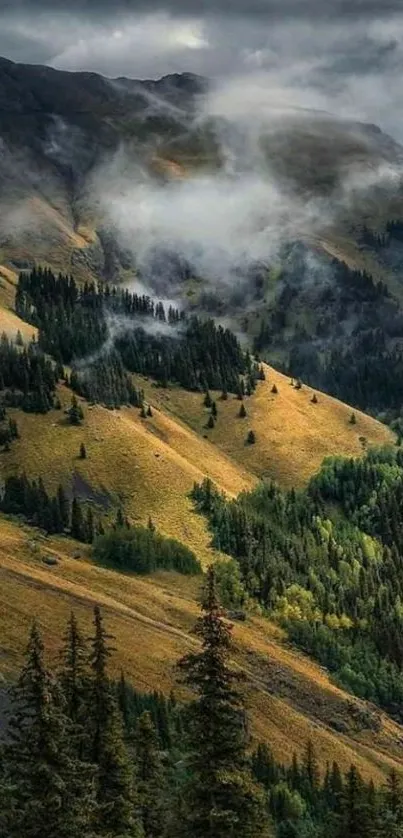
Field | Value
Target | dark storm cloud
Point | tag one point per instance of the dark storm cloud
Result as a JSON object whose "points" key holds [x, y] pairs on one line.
{"points": [[266, 8], [339, 55]]}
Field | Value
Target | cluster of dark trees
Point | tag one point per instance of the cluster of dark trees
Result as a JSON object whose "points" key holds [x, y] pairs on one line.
{"points": [[125, 547], [27, 378], [304, 804], [327, 562], [339, 330], [84, 756], [143, 550], [120, 333], [106, 381], [52, 513]]}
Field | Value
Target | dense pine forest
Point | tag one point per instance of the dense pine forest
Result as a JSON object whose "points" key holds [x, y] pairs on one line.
{"points": [[106, 333], [337, 328], [326, 562], [84, 755]]}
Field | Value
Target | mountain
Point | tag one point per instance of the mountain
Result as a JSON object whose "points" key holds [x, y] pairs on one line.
{"points": [[55, 128], [121, 403], [312, 279], [58, 128]]}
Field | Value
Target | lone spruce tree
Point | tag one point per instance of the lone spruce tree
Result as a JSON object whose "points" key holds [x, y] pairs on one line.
{"points": [[221, 798], [52, 791], [75, 412]]}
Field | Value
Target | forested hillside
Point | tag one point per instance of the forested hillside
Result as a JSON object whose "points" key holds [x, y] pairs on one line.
{"points": [[72, 730], [201, 429], [326, 563]]}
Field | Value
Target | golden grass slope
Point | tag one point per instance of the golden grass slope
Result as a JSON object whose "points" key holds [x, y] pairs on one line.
{"points": [[147, 466], [289, 697], [293, 435]]}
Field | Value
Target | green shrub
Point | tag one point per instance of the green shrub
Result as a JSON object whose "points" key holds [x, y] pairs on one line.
{"points": [[142, 550]]}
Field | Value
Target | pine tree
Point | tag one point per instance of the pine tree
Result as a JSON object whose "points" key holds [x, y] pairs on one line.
{"points": [[75, 412], [124, 704], [274, 389], [52, 790], [310, 766], [393, 794], [242, 411], [149, 411], [74, 680], [221, 799], [207, 400], [353, 419], [83, 452], [314, 399], [150, 778], [77, 521], [264, 767], [355, 809], [214, 410], [116, 812], [251, 438], [89, 526], [210, 422]]}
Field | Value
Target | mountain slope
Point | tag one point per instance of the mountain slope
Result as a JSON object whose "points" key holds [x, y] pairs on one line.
{"points": [[55, 127], [289, 697], [293, 434], [146, 466], [58, 128]]}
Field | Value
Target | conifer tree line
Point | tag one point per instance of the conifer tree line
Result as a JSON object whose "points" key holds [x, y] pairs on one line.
{"points": [[27, 378], [77, 323], [119, 544], [326, 562], [54, 514], [86, 756], [353, 348]]}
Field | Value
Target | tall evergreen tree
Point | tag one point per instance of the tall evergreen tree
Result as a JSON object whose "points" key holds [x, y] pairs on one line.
{"points": [[52, 792], [78, 528], [221, 798], [75, 412], [116, 801], [150, 778], [310, 771], [74, 681], [355, 809]]}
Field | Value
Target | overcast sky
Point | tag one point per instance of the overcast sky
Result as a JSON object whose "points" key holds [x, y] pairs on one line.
{"points": [[345, 56]]}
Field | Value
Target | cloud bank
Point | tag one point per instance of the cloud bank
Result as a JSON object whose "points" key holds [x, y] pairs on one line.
{"points": [[339, 55]]}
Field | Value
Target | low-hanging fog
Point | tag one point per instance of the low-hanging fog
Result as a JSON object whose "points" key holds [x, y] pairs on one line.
{"points": [[290, 83], [266, 191]]}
